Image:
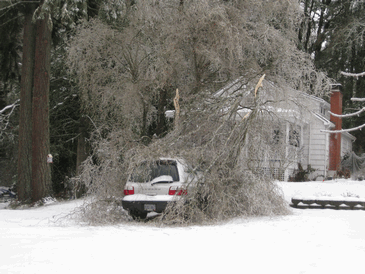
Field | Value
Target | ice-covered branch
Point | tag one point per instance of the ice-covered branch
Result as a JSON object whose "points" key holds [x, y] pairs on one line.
{"points": [[4, 118], [358, 99], [349, 114], [357, 113], [353, 74], [9, 106], [345, 130], [12, 106]]}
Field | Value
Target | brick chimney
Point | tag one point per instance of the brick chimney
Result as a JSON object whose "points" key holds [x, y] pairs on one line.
{"points": [[335, 138]]}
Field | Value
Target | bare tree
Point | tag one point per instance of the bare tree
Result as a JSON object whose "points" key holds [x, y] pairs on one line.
{"points": [[191, 45], [196, 47]]}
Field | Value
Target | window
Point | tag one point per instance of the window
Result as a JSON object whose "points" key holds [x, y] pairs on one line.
{"points": [[294, 136], [146, 172], [277, 136]]}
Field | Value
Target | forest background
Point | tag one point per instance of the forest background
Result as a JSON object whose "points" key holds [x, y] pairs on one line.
{"points": [[115, 66]]}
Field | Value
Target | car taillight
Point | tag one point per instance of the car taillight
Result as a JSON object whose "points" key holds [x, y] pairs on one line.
{"points": [[174, 190], [129, 190]]}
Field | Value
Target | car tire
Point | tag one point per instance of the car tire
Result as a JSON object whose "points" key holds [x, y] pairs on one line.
{"points": [[137, 215]]}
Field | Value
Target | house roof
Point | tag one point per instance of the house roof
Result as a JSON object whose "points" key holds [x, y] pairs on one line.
{"points": [[281, 100], [348, 135], [242, 88], [317, 99]]}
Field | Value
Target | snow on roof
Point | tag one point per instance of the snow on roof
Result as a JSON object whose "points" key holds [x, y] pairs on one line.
{"points": [[231, 87], [243, 88], [349, 135], [324, 120], [315, 98], [280, 104]]}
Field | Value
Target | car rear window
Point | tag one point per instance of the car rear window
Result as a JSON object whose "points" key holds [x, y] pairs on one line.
{"points": [[148, 171]]}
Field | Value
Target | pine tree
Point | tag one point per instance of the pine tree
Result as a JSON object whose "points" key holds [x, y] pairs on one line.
{"points": [[338, 46], [41, 171], [34, 172], [25, 120]]}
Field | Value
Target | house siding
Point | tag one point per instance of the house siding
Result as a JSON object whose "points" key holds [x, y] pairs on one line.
{"points": [[346, 144], [317, 149]]}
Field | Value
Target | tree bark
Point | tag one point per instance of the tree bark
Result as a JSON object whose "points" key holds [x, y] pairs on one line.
{"points": [[41, 171], [25, 119], [161, 121], [82, 147]]}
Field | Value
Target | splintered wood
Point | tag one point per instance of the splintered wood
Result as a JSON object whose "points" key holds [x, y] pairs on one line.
{"points": [[177, 107]]}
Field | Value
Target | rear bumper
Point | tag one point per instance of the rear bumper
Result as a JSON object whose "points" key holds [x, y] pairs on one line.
{"points": [[140, 206], [145, 203]]}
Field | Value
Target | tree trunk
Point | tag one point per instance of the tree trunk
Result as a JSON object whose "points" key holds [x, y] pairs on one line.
{"points": [[82, 153], [161, 120], [82, 148], [41, 171], [25, 119]]}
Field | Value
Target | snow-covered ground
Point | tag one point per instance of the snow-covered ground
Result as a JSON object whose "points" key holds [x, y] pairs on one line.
{"points": [[307, 241]]}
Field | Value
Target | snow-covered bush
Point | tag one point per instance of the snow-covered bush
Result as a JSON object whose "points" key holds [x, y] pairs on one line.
{"points": [[128, 75]]}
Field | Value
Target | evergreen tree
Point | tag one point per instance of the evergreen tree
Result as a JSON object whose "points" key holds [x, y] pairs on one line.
{"points": [[10, 48], [35, 183], [25, 118], [334, 35], [41, 171]]}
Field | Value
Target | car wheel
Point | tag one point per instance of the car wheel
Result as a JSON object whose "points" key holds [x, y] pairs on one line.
{"points": [[137, 215]]}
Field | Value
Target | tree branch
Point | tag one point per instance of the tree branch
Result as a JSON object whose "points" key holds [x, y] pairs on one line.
{"points": [[353, 74], [344, 130], [348, 115]]}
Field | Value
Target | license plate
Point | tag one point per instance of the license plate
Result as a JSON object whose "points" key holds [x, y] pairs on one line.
{"points": [[149, 207]]}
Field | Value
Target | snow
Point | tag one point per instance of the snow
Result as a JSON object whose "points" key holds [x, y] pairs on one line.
{"points": [[39, 240]]}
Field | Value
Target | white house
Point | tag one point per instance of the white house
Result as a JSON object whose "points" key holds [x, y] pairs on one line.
{"points": [[323, 150], [304, 122]]}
